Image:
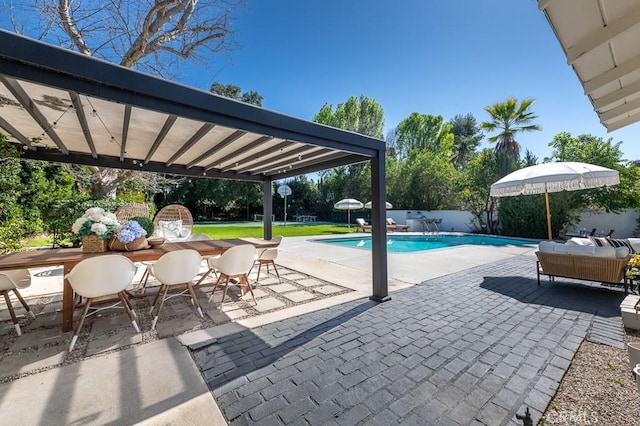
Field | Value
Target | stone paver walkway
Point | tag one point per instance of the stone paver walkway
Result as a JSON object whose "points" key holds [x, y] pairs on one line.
{"points": [[474, 347]]}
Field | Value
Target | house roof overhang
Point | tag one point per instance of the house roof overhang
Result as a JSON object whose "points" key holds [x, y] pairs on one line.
{"points": [[67, 107], [600, 41]]}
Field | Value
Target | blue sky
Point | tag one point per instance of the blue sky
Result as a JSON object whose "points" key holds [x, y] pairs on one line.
{"points": [[433, 57]]}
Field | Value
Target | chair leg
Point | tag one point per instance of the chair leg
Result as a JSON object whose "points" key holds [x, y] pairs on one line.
{"points": [[127, 307], [226, 286], [80, 323], [164, 295], [14, 318], [276, 270], [246, 281], [206, 274], [214, 288], [259, 269], [194, 299], [155, 299], [19, 296]]}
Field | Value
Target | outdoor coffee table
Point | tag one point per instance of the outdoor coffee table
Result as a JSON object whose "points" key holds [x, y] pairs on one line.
{"points": [[69, 257]]}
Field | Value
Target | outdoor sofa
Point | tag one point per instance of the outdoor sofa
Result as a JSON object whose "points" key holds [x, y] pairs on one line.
{"points": [[582, 260]]}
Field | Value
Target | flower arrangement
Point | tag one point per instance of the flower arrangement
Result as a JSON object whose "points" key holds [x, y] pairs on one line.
{"points": [[129, 231], [95, 221], [634, 267]]}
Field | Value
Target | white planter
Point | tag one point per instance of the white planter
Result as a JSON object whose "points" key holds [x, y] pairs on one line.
{"points": [[633, 348]]}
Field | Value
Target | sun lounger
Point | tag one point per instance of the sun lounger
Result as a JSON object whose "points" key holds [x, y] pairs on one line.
{"points": [[393, 226], [362, 226]]}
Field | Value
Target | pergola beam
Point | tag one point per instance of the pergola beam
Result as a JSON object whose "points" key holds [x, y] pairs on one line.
{"points": [[617, 96], [623, 109], [82, 119], [168, 124], [199, 134]]}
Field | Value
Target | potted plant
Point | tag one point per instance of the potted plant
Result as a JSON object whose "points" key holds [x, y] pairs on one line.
{"points": [[95, 227]]}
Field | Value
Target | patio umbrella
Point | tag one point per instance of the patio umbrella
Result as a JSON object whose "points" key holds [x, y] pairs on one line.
{"points": [[553, 177], [387, 204], [348, 204]]}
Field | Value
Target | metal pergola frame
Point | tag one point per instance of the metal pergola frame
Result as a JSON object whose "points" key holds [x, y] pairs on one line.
{"points": [[197, 133]]}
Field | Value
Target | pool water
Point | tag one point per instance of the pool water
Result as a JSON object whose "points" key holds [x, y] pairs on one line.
{"points": [[413, 243]]}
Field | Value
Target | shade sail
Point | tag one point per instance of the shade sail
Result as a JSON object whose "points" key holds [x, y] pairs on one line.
{"points": [[554, 177], [387, 204], [600, 41]]}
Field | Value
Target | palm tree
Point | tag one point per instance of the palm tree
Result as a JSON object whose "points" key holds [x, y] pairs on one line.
{"points": [[509, 119]]}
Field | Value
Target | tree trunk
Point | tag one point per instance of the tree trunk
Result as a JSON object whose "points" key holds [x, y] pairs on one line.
{"points": [[104, 183]]}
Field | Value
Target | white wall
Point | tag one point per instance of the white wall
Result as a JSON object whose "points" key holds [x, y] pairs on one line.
{"points": [[452, 220], [624, 223]]}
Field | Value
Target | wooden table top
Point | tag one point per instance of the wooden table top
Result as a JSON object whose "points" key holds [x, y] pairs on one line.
{"points": [[53, 257]]}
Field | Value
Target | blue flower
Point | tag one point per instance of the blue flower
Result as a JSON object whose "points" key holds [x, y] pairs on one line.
{"points": [[129, 231]]}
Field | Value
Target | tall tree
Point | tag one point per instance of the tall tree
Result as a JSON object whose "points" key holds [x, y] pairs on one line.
{"points": [[361, 115], [423, 132], [235, 92], [154, 36], [509, 118], [466, 138]]}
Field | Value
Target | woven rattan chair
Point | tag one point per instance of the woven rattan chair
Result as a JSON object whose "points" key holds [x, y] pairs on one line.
{"points": [[173, 222], [129, 211]]}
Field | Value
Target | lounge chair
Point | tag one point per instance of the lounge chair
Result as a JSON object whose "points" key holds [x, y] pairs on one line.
{"points": [[362, 226], [392, 226]]}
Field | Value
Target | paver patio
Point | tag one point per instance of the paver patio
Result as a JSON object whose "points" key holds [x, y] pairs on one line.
{"points": [[473, 347]]}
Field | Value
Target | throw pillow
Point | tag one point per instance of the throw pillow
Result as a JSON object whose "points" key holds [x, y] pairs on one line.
{"points": [[621, 242], [599, 241]]}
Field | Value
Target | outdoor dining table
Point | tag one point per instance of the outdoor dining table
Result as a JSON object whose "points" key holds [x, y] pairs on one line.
{"points": [[69, 257]]}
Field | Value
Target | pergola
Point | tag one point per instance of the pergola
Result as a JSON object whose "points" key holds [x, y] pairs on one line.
{"points": [[600, 40], [67, 107]]}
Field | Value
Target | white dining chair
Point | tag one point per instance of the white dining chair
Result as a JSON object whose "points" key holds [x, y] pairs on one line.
{"points": [[12, 281], [175, 268], [236, 262], [98, 277], [267, 257]]}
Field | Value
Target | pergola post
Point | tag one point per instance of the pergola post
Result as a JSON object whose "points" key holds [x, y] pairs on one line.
{"points": [[379, 228], [267, 210]]}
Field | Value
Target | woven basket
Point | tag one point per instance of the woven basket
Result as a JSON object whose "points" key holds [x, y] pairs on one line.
{"points": [[93, 244], [138, 244]]}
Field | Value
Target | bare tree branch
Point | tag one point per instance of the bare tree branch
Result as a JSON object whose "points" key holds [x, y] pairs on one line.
{"points": [[71, 29]]}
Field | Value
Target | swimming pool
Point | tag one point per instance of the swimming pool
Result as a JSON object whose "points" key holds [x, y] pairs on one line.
{"points": [[413, 243]]}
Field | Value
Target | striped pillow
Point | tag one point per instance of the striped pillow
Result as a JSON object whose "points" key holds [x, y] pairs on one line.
{"points": [[620, 242], [599, 242]]}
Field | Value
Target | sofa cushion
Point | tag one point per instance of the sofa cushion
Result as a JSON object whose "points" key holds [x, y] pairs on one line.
{"points": [[576, 250], [580, 241], [604, 252], [622, 252], [547, 246], [599, 241], [620, 242]]}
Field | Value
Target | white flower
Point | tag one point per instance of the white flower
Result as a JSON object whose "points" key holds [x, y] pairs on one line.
{"points": [[99, 228], [109, 219], [94, 214], [78, 224]]}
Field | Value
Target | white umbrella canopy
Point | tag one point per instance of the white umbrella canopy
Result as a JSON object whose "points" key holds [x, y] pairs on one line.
{"points": [[348, 204], [554, 177], [387, 204]]}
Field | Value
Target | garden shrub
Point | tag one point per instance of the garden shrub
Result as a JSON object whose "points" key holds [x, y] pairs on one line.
{"points": [[146, 223]]}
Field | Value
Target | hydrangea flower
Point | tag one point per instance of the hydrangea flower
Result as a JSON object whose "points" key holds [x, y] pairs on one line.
{"points": [[95, 221], [129, 231]]}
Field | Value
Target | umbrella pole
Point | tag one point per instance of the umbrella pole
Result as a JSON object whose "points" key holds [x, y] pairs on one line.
{"points": [[546, 201], [349, 220]]}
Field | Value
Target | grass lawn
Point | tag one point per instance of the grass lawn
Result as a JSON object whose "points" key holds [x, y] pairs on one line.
{"points": [[221, 232]]}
